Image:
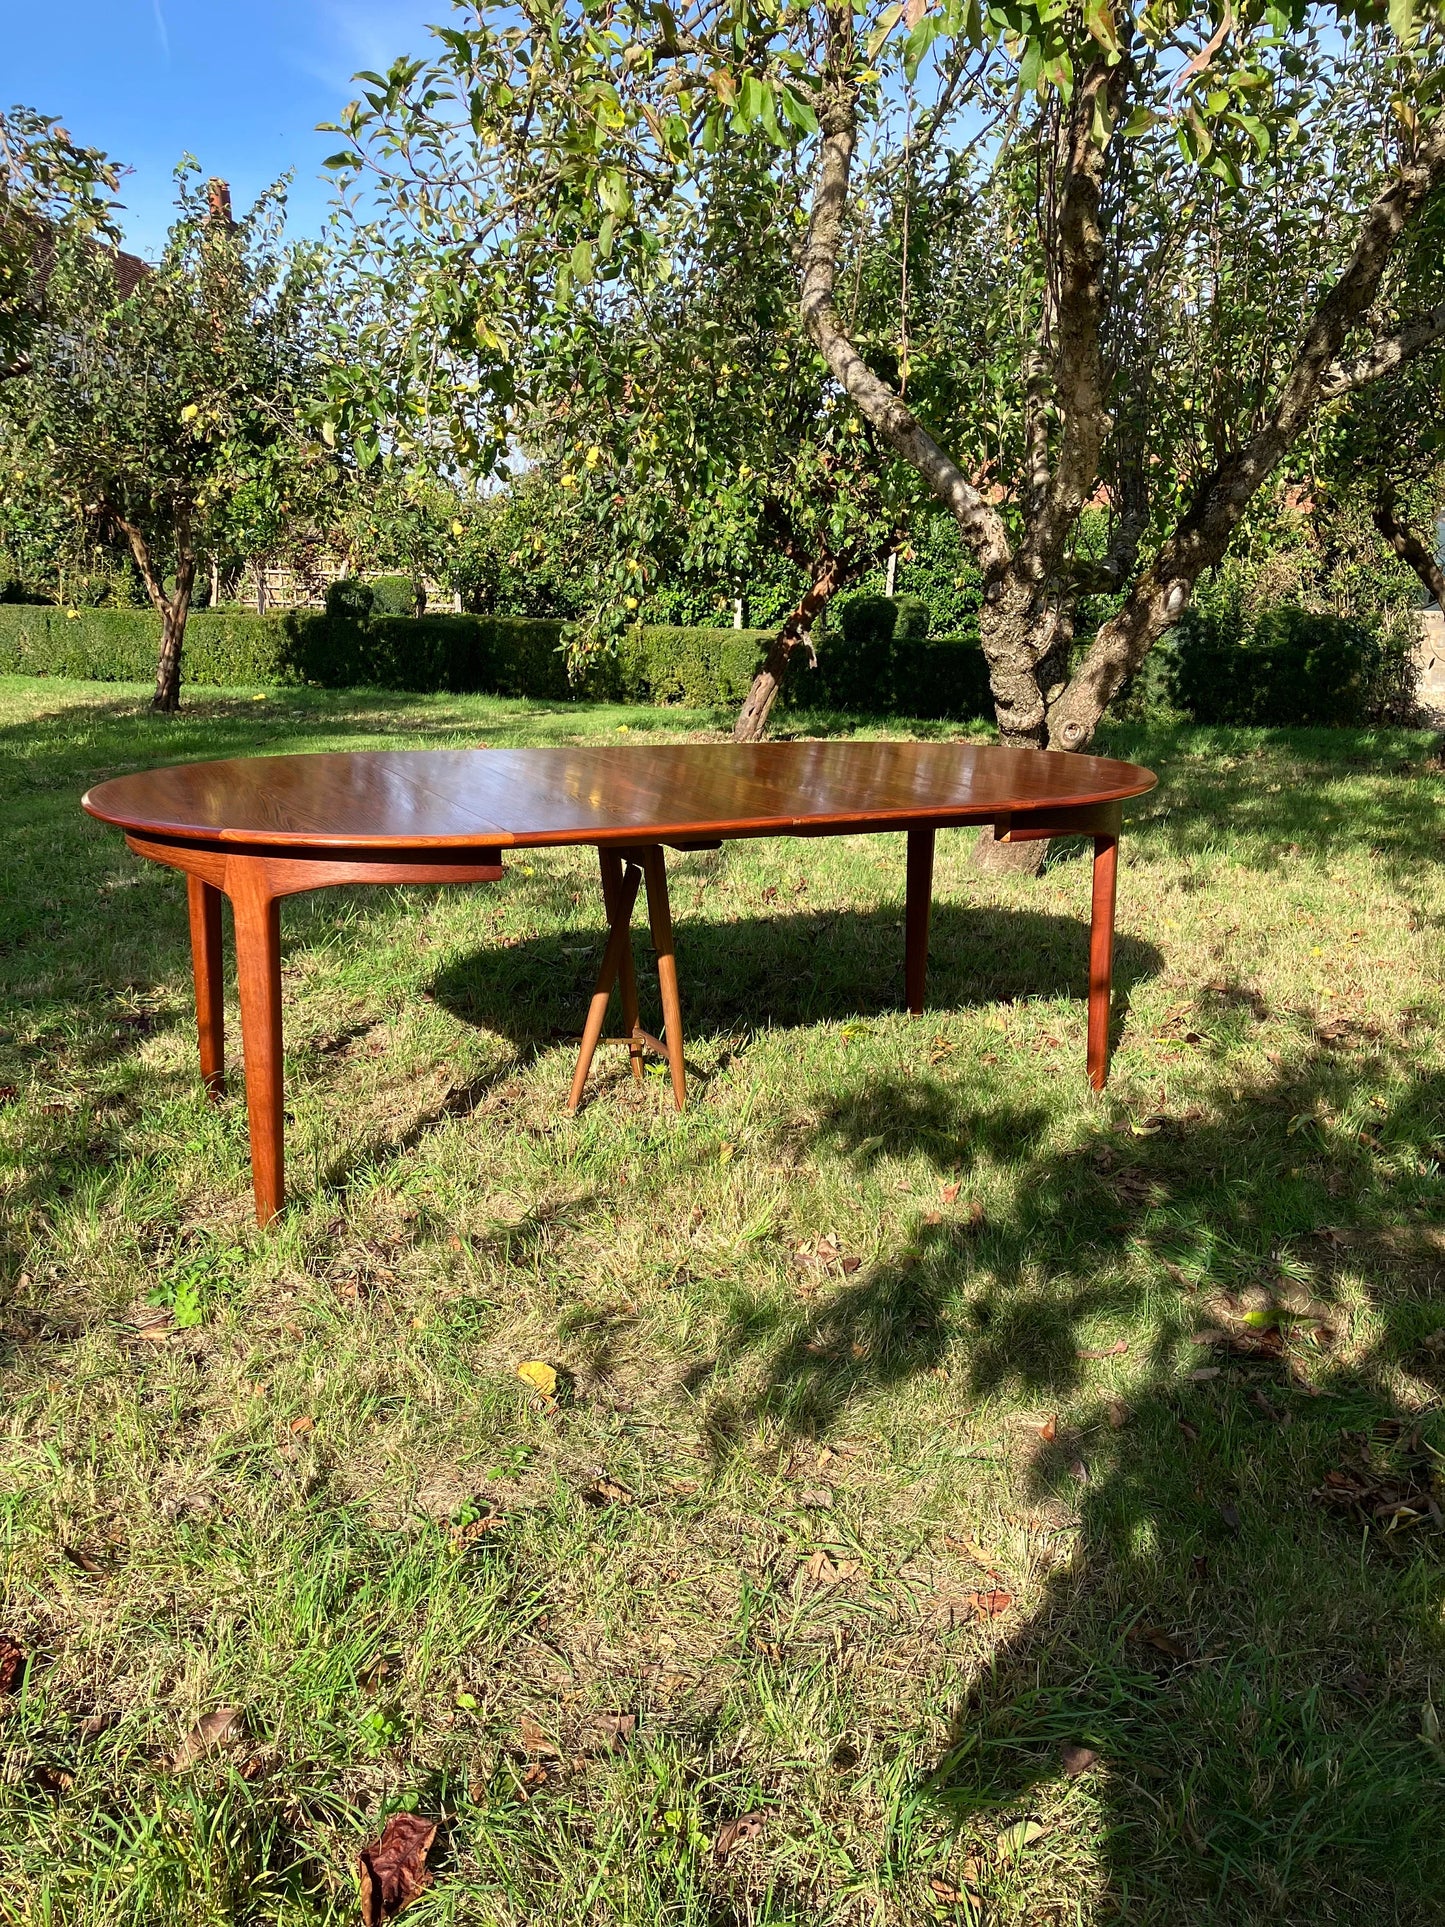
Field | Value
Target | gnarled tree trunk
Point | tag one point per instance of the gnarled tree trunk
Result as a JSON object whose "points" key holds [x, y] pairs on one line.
{"points": [[752, 721]]}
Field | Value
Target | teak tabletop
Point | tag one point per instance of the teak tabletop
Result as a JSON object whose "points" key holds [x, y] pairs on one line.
{"points": [[261, 828]]}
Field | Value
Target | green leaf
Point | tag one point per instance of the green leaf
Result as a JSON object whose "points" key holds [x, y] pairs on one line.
{"points": [[1402, 20], [916, 46]]}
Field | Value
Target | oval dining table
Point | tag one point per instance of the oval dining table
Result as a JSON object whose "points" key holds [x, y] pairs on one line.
{"points": [[260, 828]]}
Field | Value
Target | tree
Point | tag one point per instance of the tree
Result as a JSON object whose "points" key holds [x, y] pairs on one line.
{"points": [[1148, 184], [48, 185], [151, 412]]}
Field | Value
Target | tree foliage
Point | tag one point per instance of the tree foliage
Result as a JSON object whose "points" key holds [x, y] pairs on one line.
{"points": [[1138, 252], [175, 412]]}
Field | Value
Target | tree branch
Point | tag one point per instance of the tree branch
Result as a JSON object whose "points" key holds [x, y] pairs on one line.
{"points": [[1410, 549], [1387, 354], [878, 403]]}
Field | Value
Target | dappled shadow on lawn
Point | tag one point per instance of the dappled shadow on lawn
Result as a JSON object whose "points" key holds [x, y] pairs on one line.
{"points": [[1246, 1554], [793, 968], [1279, 795]]}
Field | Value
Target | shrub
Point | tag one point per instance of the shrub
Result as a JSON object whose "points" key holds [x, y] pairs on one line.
{"points": [[1288, 666], [696, 667], [350, 597], [392, 595]]}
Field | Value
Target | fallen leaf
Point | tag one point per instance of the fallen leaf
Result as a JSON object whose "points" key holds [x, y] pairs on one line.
{"points": [[541, 1376], [83, 1561], [1191, 1432], [300, 1425], [816, 1498], [1023, 1833], [212, 1730], [605, 1491], [824, 1570], [1118, 1349], [991, 1604], [950, 1193], [533, 1739], [535, 1776], [53, 1779], [732, 1833], [393, 1868], [13, 1661], [1076, 1760], [1163, 1642], [1078, 1472], [1230, 1515], [1203, 1373], [614, 1730], [1118, 1414], [1048, 1431]]}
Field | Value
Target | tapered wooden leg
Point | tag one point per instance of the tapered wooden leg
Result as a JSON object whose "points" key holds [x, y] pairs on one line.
{"points": [[655, 869], [205, 908], [919, 909], [256, 916], [1101, 957], [612, 893], [619, 944]]}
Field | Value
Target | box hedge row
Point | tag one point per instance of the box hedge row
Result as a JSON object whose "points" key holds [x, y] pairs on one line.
{"points": [[869, 666]]}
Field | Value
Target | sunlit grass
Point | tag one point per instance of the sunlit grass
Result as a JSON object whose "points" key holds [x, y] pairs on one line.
{"points": [[900, 1293]]}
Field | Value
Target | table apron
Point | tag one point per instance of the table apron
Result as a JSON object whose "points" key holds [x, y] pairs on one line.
{"points": [[287, 876]]}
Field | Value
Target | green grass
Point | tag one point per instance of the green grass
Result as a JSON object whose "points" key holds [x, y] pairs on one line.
{"points": [[323, 1496]]}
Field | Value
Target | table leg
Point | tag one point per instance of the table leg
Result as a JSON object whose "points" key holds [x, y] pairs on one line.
{"points": [[621, 894], [613, 889], [655, 870], [256, 915], [919, 909], [204, 902], [1101, 957]]}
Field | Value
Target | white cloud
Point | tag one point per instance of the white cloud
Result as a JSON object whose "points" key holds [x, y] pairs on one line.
{"points": [[161, 33]]}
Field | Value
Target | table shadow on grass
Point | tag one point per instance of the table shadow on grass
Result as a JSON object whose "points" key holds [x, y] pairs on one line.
{"points": [[793, 969], [1249, 1663]]}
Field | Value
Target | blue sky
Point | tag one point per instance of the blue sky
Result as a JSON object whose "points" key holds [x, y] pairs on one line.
{"points": [[240, 86]]}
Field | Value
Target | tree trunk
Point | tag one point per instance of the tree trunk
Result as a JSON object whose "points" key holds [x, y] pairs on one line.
{"points": [[1408, 546], [752, 722], [175, 609]]}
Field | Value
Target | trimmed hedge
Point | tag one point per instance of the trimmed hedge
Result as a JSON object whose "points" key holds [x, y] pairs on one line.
{"points": [[1286, 667], [871, 667]]}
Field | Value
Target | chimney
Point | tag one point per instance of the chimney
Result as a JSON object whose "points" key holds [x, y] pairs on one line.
{"points": [[219, 194]]}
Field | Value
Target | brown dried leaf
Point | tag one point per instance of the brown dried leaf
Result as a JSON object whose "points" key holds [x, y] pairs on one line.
{"points": [[1076, 1760], [605, 1491], [1049, 1430], [13, 1661], [1118, 1414], [1118, 1349], [614, 1730], [533, 1739], [221, 1728], [824, 1570], [1163, 1642], [84, 1561], [393, 1869], [732, 1833]]}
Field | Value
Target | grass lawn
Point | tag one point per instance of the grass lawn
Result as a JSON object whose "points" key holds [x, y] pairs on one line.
{"points": [[1008, 1504]]}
